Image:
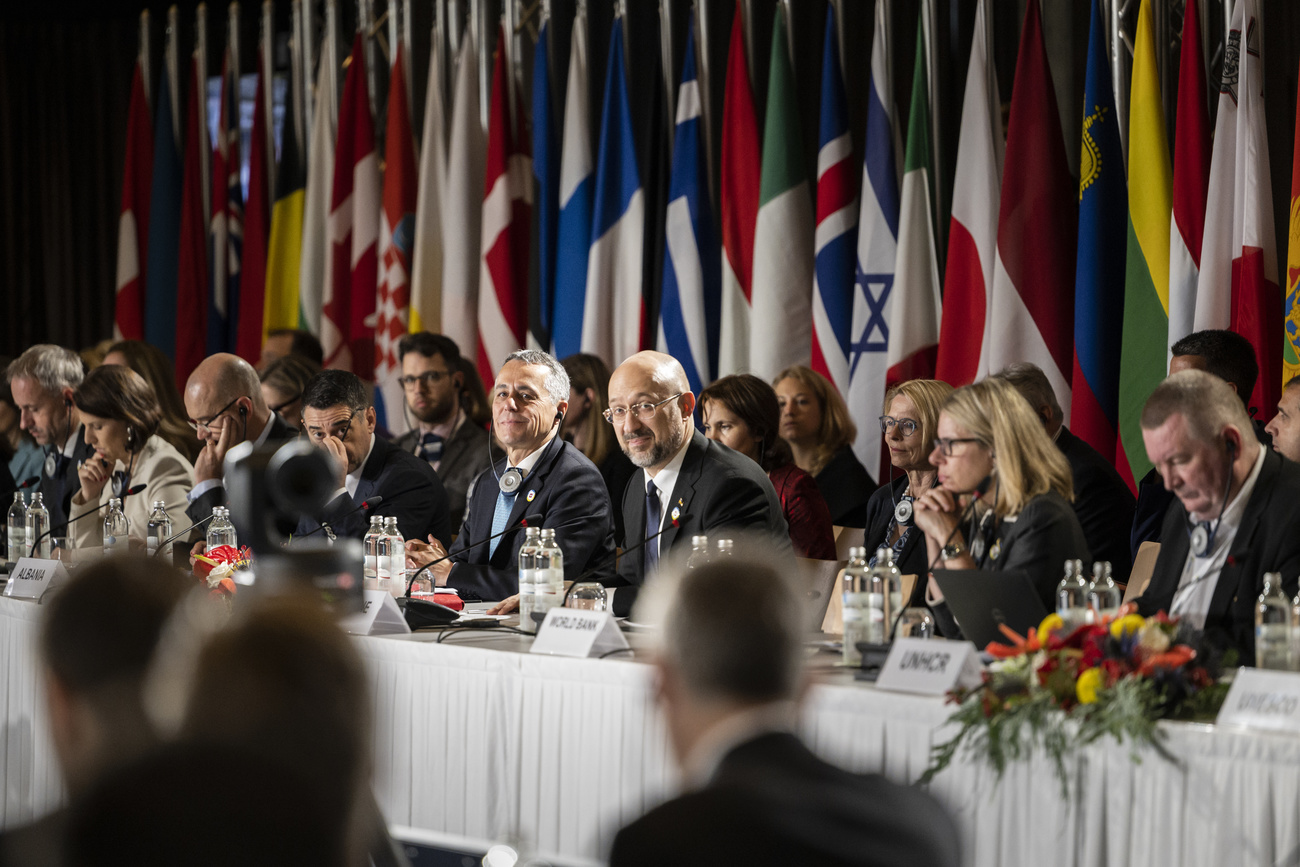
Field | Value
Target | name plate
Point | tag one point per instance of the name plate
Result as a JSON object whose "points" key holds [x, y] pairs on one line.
{"points": [[930, 666], [575, 632], [379, 616], [1263, 699], [31, 577]]}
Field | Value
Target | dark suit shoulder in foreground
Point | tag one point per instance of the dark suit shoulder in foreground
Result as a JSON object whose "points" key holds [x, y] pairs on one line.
{"points": [[773, 802]]}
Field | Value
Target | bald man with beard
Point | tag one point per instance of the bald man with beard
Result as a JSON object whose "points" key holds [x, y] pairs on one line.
{"points": [[687, 484]]}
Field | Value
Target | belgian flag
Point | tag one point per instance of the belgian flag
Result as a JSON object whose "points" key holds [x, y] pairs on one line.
{"points": [[285, 250]]}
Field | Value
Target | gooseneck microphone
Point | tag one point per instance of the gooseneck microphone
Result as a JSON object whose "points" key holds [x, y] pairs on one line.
{"points": [[28, 482], [368, 503], [608, 560], [523, 522], [128, 492]]}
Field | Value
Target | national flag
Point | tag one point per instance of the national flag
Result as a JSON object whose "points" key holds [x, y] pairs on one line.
{"points": [[314, 273], [257, 225], [192, 275], [742, 174], [692, 278], [396, 233], [836, 235], [507, 215], [426, 273], [965, 329], [226, 230], [1099, 282], [1033, 280], [780, 318], [1237, 288], [1291, 322], [613, 313], [133, 222], [1146, 284], [913, 311], [347, 316], [284, 252], [877, 250], [1190, 185], [546, 176], [577, 176], [165, 211], [461, 219]]}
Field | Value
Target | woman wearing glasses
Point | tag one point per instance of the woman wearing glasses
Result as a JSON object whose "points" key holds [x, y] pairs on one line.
{"points": [[990, 440], [741, 412], [120, 415], [909, 427]]}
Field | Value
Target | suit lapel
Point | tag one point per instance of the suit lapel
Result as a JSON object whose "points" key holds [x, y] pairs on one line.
{"points": [[535, 480], [1251, 518], [374, 466], [683, 489]]}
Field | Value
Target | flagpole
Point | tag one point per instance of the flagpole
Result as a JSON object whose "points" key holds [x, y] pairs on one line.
{"points": [[172, 57], [930, 14], [268, 71], [304, 72], [200, 93], [747, 19], [510, 23], [296, 93], [700, 14], [482, 33], [1119, 73], [666, 61], [146, 73], [407, 42], [331, 56], [366, 26], [453, 19]]}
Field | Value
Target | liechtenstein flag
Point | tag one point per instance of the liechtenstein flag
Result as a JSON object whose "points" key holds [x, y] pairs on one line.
{"points": [[692, 281]]}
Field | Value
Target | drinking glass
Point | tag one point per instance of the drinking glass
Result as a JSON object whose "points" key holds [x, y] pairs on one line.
{"points": [[589, 596], [916, 623]]}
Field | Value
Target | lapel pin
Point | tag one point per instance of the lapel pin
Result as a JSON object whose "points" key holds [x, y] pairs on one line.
{"points": [[677, 513], [531, 496]]}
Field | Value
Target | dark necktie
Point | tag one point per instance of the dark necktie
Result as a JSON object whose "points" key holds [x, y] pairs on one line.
{"points": [[653, 516], [431, 447]]}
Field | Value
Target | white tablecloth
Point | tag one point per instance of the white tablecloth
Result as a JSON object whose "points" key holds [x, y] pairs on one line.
{"points": [[460, 730]]}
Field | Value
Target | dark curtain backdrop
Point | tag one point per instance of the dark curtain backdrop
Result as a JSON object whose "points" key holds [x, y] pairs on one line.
{"points": [[65, 75]]}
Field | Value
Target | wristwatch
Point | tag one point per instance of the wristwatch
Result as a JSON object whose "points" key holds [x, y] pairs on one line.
{"points": [[952, 551]]}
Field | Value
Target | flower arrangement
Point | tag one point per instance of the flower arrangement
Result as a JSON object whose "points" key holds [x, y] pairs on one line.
{"points": [[215, 567], [1060, 689]]}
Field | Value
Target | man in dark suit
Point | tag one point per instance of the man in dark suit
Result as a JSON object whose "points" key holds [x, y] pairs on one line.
{"points": [[223, 398], [1103, 502], [543, 481], [42, 381], [1236, 514], [339, 418], [444, 436], [729, 679], [688, 485]]}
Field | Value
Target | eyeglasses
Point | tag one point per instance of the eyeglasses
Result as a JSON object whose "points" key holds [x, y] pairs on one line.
{"points": [[945, 445], [643, 411], [906, 425], [205, 424], [425, 380], [319, 436]]}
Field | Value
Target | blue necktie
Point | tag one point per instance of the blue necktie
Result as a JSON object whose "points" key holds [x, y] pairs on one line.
{"points": [[431, 447], [653, 516], [501, 517]]}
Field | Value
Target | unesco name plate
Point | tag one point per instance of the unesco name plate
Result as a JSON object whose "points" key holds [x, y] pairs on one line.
{"points": [[576, 632], [1263, 700], [31, 577], [930, 666]]}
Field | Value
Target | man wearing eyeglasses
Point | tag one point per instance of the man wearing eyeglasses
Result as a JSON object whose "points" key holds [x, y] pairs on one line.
{"points": [[442, 434], [339, 418], [688, 484], [223, 398]]}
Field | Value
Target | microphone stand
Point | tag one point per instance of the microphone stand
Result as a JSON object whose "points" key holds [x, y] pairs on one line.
{"points": [[368, 503], [174, 536]]}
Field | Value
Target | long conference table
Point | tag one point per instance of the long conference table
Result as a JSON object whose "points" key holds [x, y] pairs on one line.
{"points": [[476, 737]]}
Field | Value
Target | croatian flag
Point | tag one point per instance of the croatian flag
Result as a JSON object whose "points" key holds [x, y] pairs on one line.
{"points": [[837, 222], [612, 315], [573, 238], [877, 252], [692, 282]]}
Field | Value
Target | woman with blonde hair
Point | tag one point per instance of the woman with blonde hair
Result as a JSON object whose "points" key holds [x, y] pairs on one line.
{"points": [[815, 422], [989, 440], [909, 427]]}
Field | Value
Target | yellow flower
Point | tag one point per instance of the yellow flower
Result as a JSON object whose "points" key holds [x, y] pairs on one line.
{"points": [[1087, 685], [1127, 624], [1051, 623]]}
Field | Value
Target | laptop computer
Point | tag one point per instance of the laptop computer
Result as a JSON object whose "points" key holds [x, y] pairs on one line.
{"points": [[980, 600]]}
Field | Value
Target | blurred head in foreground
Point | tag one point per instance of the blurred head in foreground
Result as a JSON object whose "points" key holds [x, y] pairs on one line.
{"points": [[97, 642], [731, 640]]}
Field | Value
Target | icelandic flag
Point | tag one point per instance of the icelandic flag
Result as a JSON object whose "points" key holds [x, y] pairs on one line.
{"points": [[692, 281], [546, 175], [877, 252], [573, 238], [614, 308], [226, 233], [837, 223], [164, 214]]}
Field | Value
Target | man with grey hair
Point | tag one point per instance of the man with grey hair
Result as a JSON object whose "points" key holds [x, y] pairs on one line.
{"points": [[542, 481], [1237, 513], [688, 485], [729, 678], [43, 380], [1103, 503]]}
